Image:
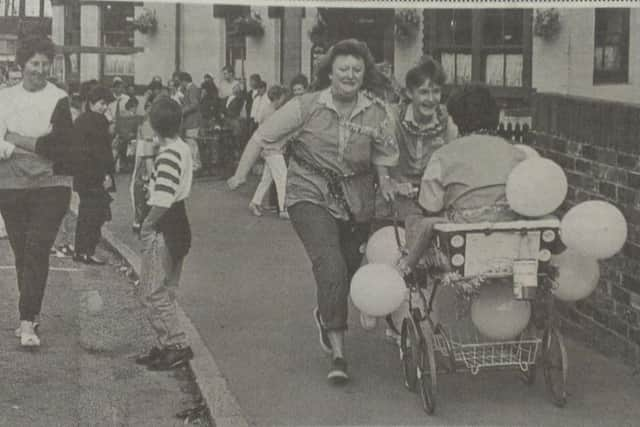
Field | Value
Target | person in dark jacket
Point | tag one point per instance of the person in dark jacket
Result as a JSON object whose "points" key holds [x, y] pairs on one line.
{"points": [[92, 182]]}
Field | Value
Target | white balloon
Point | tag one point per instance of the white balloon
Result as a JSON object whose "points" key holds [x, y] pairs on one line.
{"points": [[382, 246], [377, 289], [577, 275], [594, 228], [536, 187], [497, 315], [527, 150]]}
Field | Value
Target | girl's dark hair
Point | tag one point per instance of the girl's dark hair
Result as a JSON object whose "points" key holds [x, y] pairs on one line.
{"points": [[300, 79], [427, 68], [33, 45], [473, 108], [373, 79]]}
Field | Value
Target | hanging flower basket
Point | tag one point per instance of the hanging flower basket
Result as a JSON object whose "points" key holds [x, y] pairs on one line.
{"points": [[319, 33], [249, 26], [146, 22], [546, 23], [407, 24]]}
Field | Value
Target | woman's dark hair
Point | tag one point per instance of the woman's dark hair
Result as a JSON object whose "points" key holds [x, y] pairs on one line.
{"points": [[427, 68], [473, 108], [99, 93], [373, 79], [276, 92], [165, 117], [32, 46], [210, 88], [132, 102], [299, 79]]}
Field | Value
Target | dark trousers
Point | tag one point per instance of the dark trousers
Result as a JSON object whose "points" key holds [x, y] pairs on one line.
{"points": [[93, 212], [333, 246], [32, 218]]}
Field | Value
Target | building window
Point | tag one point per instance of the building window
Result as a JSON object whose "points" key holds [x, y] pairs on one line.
{"points": [[9, 8], [488, 45], [72, 24], [118, 32], [611, 51], [235, 44]]}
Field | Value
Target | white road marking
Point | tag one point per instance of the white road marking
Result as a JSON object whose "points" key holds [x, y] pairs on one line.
{"points": [[11, 267]]}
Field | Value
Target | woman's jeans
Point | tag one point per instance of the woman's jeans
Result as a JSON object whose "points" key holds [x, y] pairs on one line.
{"points": [[93, 212], [32, 218], [333, 246]]}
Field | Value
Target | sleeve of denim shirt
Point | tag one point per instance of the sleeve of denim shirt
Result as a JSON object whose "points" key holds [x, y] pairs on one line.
{"points": [[385, 146], [431, 195], [282, 122]]}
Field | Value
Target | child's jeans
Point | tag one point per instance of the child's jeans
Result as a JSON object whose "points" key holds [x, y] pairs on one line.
{"points": [[159, 279]]}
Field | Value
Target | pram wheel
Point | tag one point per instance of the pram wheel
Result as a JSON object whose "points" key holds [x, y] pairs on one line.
{"points": [[555, 366], [426, 369]]}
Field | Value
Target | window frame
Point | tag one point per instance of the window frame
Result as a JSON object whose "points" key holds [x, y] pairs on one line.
{"points": [[112, 50], [605, 77], [479, 50]]}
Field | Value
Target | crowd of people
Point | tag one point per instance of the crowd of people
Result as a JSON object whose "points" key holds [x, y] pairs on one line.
{"points": [[348, 148]]}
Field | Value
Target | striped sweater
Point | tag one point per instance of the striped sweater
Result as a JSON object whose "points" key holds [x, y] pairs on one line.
{"points": [[46, 116], [172, 175]]}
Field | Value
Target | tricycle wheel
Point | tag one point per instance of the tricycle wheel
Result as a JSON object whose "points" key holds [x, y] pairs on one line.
{"points": [[408, 354], [529, 376], [426, 369], [555, 366]]}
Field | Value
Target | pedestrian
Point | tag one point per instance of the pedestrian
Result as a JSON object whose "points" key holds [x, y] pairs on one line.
{"points": [[115, 114], [35, 174], [191, 116], [259, 103], [225, 85], [342, 133], [299, 84], [234, 121], [91, 131], [166, 238], [211, 114], [275, 168], [146, 148]]}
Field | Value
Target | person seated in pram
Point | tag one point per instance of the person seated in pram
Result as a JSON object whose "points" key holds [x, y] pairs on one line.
{"points": [[465, 180]]}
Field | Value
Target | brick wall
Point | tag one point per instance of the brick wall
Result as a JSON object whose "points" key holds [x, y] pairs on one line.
{"points": [[598, 145]]}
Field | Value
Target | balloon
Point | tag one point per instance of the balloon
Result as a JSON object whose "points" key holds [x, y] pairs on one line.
{"points": [[594, 228], [536, 187], [382, 246], [527, 150], [577, 275], [497, 315], [377, 289]]}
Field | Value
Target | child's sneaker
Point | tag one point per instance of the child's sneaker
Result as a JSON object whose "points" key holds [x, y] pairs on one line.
{"points": [[28, 337]]}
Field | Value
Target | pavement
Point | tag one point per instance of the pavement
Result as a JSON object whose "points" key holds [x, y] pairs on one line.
{"points": [[83, 374], [246, 296]]}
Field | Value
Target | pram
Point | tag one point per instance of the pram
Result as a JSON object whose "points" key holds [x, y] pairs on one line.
{"points": [[484, 253]]}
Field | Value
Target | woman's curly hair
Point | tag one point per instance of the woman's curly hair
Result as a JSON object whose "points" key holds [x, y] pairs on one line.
{"points": [[373, 79], [33, 45], [473, 108]]}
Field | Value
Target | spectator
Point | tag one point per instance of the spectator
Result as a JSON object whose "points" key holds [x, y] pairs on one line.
{"points": [[14, 76], [91, 131], [275, 168], [191, 116], [254, 82], [207, 78], [119, 101], [260, 101], [166, 238], [211, 113], [232, 117], [35, 186], [225, 86], [299, 84]]}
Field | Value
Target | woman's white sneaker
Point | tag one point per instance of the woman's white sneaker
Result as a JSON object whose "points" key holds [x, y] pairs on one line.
{"points": [[28, 337], [18, 330]]}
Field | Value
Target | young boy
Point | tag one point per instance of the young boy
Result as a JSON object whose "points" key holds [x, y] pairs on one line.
{"points": [[166, 237]]}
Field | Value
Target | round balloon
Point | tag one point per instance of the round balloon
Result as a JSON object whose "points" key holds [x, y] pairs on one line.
{"points": [[577, 275], [594, 228], [377, 289], [527, 150], [536, 187], [382, 247], [497, 315]]}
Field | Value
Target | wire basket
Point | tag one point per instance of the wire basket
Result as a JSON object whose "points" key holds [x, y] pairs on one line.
{"points": [[470, 351]]}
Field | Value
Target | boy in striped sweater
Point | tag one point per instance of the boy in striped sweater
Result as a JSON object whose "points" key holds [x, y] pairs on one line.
{"points": [[166, 237]]}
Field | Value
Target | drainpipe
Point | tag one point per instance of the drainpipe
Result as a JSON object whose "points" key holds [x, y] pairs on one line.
{"points": [[178, 35]]}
